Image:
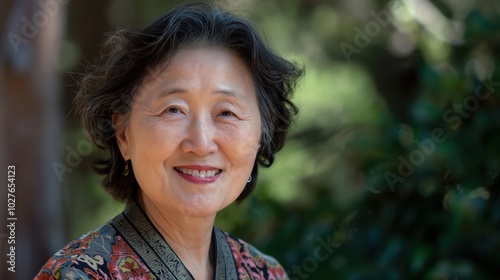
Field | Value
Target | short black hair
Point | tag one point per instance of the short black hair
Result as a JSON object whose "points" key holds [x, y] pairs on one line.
{"points": [[110, 86]]}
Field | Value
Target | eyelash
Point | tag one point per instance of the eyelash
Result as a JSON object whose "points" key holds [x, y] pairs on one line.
{"points": [[169, 110], [177, 110], [224, 113]]}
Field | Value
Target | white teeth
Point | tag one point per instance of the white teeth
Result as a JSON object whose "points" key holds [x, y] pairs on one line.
{"points": [[198, 173], [185, 171]]}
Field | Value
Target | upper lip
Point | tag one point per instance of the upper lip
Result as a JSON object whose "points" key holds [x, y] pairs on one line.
{"points": [[198, 167]]}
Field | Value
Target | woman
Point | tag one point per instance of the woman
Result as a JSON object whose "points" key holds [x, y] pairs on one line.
{"points": [[188, 107]]}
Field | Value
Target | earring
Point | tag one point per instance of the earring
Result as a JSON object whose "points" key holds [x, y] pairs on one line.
{"points": [[125, 171], [249, 179]]}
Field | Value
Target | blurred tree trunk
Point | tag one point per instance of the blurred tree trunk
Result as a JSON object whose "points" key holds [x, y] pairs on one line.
{"points": [[30, 124]]}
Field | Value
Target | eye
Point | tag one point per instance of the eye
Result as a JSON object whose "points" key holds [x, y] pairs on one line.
{"points": [[173, 110], [227, 114]]}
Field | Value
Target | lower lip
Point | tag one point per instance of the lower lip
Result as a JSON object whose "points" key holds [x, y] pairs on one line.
{"points": [[198, 180]]}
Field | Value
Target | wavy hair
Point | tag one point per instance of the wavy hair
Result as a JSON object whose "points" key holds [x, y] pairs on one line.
{"points": [[110, 85]]}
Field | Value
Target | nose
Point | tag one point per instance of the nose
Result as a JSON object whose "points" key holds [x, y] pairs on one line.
{"points": [[200, 136]]}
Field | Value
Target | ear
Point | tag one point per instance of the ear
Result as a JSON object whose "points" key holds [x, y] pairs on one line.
{"points": [[119, 124]]}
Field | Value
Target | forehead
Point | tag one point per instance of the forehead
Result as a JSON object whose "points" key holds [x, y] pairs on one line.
{"points": [[201, 64]]}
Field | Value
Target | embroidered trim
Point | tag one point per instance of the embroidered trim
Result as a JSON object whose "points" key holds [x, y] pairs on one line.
{"points": [[147, 242]]}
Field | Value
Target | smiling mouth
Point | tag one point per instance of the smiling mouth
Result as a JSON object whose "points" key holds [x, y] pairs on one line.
{"points": [[198, 173]]}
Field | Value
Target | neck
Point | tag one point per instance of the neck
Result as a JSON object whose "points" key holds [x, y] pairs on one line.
{"points": [[189, 237]]}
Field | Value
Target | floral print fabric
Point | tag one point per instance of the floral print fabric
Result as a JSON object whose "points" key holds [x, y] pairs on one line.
{"points": [[104, 253], [252, 264], [99, 254]]}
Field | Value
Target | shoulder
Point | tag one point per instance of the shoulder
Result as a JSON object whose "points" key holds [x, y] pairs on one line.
{"points": [[98, 254], [252, 263]]}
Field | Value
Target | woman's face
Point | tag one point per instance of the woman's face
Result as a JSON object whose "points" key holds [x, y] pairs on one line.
{"points": [[193, 132]]}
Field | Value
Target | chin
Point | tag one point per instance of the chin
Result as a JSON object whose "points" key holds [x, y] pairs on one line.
{"points": [[197, 209]]}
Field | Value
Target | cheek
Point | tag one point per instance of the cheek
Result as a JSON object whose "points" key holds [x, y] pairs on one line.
{"points": [[152, 142], [244, 142]]}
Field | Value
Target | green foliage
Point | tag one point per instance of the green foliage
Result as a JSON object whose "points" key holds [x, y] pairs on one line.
{"points": [[391, 171]]}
